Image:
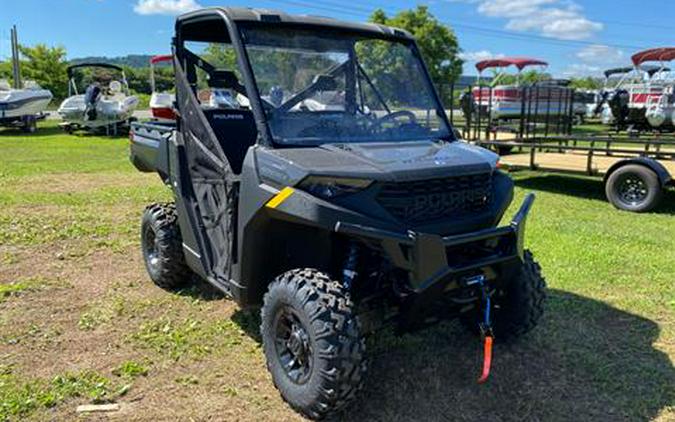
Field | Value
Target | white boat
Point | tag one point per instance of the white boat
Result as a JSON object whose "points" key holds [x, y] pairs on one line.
{"points": [[105, 103], [24, 103], [22, 107], [658, 99], [161, 102]]}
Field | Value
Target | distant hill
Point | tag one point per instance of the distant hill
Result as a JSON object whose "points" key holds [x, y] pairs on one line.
{"points": [[131, 60]]}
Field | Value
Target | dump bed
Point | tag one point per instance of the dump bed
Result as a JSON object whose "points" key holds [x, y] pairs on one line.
{"points": [[149, 146]]}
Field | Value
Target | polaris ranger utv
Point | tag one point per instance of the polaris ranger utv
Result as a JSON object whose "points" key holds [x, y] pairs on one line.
{"points": [[316, 177]]}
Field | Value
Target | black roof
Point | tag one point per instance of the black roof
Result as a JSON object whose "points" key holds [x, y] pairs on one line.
{"points": [[650, 69], [617, 71], [241, 14], [104, 65]]}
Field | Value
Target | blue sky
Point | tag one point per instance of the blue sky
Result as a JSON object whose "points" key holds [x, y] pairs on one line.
{"points": [[575, 37]]}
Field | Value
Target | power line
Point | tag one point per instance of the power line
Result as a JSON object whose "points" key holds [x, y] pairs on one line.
{"points": [[621, 23], [495, 33], [640, 25], [539, 38]]}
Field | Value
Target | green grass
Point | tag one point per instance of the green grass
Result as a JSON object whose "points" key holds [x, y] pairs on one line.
{"points": [[20, 287], [50, 151], [21, 397], [10, 289], [39, 193], [187, 338], [131, 369], [604, 350], [143, 101]]}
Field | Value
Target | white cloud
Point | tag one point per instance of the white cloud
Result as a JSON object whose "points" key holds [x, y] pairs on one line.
{"points": [[561, 19], [595, 58], [580, 70], [165, 7], [511, 8], [476, 56], [601, 54]]}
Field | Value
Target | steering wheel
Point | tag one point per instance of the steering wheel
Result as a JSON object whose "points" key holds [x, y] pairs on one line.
{"points": [[319, 130], [377, 124]]}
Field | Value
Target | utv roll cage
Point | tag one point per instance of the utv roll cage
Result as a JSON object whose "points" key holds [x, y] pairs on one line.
{"points": [[217, 164], [223, 24]]}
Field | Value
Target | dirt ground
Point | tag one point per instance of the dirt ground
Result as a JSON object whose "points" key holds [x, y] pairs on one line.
{"points": [[76, 305]]}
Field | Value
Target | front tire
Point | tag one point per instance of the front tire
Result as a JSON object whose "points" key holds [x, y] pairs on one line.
{"points": [[162, 247], [634, 187], [518, 305], [312, 342]]}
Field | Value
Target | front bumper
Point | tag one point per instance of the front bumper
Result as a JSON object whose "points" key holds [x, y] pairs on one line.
{"points": [[435, 264]]}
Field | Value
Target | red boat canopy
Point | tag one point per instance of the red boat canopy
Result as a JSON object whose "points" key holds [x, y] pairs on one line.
{"points": [[165, 58], [519, 62], [663, 54]]}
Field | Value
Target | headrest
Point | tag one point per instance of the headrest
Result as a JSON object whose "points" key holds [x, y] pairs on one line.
{"points": [[223, 79]]}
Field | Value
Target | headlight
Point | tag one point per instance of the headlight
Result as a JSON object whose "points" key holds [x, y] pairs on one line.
{"points": [[331, 187]]}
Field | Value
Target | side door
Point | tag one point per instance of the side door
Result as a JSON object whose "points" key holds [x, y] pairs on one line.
{"points": [[212, 185]]}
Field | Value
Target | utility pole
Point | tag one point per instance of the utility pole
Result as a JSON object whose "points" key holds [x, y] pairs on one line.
{"points": [[16, 70]]}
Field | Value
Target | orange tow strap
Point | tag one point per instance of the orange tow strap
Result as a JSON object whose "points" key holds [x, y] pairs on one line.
{"points": [[487, 360]]}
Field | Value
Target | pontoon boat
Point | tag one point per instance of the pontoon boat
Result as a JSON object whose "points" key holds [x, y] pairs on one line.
{"points": [[509, 101], [657, 97], [643, 97]]}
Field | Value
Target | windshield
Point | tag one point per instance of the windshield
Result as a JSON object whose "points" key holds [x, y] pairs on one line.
{"points": [[326, 87]]}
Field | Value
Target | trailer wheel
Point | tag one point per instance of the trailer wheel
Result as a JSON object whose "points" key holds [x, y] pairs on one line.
{"points": [[162, 247], [518, 306], [29, 124], [578, 120], [312, 342], [633, 187]]}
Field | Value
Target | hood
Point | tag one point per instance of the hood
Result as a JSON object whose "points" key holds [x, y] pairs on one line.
{"points": [[398, 161]]}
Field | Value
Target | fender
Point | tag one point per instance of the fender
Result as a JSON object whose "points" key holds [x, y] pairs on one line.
{"points": [[664, 176]]}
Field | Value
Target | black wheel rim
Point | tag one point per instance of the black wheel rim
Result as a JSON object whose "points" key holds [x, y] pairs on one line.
{"points": [[150, 248], [632, 190], [293, 345]]}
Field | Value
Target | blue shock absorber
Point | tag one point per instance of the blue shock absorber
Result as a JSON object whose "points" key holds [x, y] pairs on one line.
{"points": [[349, 272]]}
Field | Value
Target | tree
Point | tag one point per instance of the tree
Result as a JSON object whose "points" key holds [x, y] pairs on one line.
{"points": [[221, 56], [527, 77], [436, 41], [47, 66], [588, 82], [5, 70]]}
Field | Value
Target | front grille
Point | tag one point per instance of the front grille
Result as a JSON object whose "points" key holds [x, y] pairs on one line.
{"points": [[435, 199]]}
